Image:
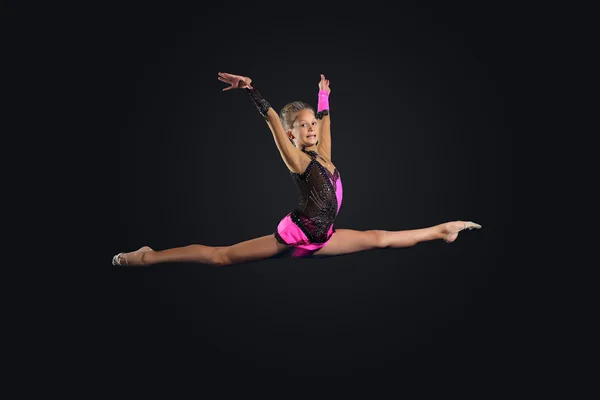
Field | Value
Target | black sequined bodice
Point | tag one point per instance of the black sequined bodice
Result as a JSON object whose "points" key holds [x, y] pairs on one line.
{"points": [[317, 201]]}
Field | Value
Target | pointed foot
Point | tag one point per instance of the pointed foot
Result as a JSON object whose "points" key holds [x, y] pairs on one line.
{"points": [[452, 229], [134, 258]]}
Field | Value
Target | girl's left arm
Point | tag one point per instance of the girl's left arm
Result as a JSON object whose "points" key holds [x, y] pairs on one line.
{"points": [[324, 145]]}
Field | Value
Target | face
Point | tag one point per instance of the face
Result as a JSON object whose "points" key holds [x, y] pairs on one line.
{"points": [[304, 129]]}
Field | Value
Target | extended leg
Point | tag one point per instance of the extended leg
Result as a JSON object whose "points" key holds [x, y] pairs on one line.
{"points": [[248, 251], [346, 241]]}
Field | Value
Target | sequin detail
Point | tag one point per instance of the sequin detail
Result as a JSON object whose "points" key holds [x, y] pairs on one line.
{"points": [[321, 114], [262, 105], [317, 201]]}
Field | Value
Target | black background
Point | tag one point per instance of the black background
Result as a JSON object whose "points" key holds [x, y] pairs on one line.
{"points": [[423, 109]]}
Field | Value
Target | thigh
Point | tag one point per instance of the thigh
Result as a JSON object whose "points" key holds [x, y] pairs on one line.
{"points": [[257, 249], [346, 241]]}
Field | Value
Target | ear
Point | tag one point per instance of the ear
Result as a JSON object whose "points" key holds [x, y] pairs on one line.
{"points": [[289, 133]]}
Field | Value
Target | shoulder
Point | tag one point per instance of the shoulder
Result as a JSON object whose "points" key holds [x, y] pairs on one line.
{"points": [[301, 165]]}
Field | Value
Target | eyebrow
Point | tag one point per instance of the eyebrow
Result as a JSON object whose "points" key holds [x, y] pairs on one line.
{"points": [[305, 120]]}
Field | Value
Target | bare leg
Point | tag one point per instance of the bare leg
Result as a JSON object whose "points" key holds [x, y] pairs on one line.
{"points": [[346, 241], [257, 249]]}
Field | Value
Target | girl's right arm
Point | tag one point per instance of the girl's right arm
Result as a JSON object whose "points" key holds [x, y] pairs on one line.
{"points": [[291, 156], [289, 153]]}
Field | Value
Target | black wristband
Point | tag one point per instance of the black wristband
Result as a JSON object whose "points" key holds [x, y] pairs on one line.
{"points": [[262, 105], [321, 114]]}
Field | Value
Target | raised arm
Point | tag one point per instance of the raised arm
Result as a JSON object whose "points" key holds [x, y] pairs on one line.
{"points": [[324, 145], [289, 153]]}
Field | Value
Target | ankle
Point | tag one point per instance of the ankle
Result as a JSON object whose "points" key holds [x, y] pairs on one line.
{"points": [[442, 231], [146, 257]]}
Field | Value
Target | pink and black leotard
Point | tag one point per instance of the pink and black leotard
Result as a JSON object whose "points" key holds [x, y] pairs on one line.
{"points": [[310, 226]]}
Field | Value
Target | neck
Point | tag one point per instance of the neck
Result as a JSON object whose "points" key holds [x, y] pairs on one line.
{"points": [[310, 148], [314, 148]]}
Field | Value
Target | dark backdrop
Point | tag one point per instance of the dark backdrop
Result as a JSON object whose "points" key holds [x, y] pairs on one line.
{"points": [[422, 127]]}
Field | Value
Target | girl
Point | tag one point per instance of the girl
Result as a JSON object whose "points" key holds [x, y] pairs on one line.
{"points": [[303, 138]]}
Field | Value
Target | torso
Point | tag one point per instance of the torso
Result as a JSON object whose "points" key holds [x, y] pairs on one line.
{"points": [[319, 197]]}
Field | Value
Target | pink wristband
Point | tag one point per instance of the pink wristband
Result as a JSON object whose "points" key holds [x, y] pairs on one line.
{"points": [[323, 101]]}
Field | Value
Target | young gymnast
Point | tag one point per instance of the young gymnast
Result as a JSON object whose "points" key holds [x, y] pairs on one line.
{"points": [[303, 138]]}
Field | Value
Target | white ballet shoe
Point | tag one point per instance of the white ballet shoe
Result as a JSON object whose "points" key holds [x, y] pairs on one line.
{"points": [[121, 258], [116, 260], [468, 225], [471, 225]]}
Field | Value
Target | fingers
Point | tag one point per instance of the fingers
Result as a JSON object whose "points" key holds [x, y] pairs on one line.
{"points": [[235, 81], [229, 76], [224, 77]]}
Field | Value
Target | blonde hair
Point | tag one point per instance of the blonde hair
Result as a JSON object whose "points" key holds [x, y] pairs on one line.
{"points": [[289, 111]]}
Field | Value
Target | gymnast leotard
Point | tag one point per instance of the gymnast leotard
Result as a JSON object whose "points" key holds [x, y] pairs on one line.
{"points": [[310, 226]]}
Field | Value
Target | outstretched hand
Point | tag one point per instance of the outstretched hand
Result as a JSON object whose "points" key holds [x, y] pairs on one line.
{"points": [[324, 84], [235, 81]]}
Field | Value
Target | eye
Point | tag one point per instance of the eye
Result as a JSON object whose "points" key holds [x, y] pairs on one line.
{"points": [[315, 123]]}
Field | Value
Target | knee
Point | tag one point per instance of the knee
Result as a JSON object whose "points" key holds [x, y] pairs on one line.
{"points": [[220, 257], [378, 239]]}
